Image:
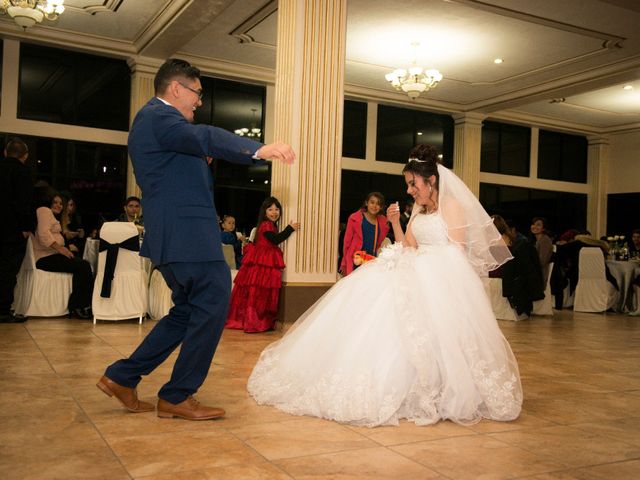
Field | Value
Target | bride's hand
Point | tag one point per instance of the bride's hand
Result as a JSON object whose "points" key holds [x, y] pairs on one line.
{"points": [[393, 213]]}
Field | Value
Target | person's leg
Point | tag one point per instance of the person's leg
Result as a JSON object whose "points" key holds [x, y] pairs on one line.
{"points": [[82, 286], [207, 288], [11, 255], [160, 342]]}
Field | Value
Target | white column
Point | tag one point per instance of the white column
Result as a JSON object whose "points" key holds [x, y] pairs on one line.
{"points": [[308, 115], [597, 176], [142, 75], [467, 140]]}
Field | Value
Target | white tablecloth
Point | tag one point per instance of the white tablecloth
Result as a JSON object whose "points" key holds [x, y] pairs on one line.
{"points": [[625, 272]]}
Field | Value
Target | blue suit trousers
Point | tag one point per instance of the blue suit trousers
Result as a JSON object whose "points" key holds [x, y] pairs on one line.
{"points": [[200, 292]]}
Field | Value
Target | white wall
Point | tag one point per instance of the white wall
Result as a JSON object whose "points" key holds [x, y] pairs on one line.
{"points": [[624, 163]]}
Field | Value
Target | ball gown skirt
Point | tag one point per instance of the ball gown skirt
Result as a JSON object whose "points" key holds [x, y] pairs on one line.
{"points": [[409, 335]]}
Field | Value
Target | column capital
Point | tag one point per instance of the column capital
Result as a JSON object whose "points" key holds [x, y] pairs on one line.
{"points": [[144, 65], [469, 118], [598, 140]]}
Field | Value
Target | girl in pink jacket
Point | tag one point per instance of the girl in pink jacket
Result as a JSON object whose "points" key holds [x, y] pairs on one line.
{"points": [[366, 229]]}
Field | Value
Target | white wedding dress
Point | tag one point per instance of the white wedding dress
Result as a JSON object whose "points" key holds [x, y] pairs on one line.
{"points": [[408, 335]]}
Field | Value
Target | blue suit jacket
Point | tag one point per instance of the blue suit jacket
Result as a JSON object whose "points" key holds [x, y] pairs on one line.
{"points": [[167, 153]]}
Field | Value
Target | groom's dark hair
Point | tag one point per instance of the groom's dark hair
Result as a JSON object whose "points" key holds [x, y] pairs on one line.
{"points": [[173, 69]]}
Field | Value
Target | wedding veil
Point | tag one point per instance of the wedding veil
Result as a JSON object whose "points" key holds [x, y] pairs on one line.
{"points": [[468, 224]]}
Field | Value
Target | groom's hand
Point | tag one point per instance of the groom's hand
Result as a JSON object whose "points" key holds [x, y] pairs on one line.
{"points": [[277, 151]]}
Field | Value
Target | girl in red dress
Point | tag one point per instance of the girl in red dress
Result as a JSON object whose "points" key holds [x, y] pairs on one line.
{"points": [[254, 300]]}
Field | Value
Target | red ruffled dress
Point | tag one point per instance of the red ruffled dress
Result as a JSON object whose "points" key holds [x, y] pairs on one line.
{"points": [[254, 300]]}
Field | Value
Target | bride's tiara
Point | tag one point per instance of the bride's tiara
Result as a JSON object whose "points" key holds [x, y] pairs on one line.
{"points": [[412, 159]]}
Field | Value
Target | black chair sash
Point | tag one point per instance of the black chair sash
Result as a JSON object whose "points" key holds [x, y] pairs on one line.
{"points": [[112, 249]]}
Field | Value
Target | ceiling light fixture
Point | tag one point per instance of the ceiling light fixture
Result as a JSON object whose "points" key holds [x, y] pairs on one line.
{"points": [[414, 81], [252, 132], [498, 61], [627, 87], [27, 13]]}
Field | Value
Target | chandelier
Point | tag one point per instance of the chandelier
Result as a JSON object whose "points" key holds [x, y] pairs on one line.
{"points": [[252, 132], [414, 81], [27, 13]]}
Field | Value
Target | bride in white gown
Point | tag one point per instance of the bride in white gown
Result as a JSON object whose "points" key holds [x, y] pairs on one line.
{"points": [[410, 334]]}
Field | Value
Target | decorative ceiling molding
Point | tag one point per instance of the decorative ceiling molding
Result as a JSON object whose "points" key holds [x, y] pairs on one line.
{"points": [[241, 32], [104, 6], [609, 40], [584, 108], [564, 86], [66, 39], [231, 70], [159, 22], [553, 123], [391, 97]]}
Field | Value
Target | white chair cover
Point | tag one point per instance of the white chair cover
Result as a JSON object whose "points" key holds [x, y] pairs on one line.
{"points": [[593, 292], [128, 289], [159, 296], [39, 293], [229, 255], [252, 234], [544, 306], [501, 307]]}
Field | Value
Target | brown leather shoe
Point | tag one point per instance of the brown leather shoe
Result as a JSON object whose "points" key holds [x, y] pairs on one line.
{"points": [[127, 396], [190, 409]]}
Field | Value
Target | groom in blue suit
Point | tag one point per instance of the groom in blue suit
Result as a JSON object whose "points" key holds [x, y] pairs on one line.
{"points": [[170, 157]]}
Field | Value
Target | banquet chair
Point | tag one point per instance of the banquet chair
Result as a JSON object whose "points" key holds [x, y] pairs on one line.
{"points": [[502, 309], [39, 293], [545, 306], [229, 256], [594, 293], [160, 301], [128, 294]]}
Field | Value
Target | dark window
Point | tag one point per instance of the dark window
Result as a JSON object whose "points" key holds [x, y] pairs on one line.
{"points": [[73, 88], [505, 149], [239, 189], [232, 106], [400, 129], [619, 222], [561, 209], [94, 173], [562, 157], [354, 129]]}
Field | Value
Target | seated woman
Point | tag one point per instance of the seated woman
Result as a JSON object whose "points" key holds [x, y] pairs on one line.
{"points": [[72, 229], [522, 282], [51, 254]]}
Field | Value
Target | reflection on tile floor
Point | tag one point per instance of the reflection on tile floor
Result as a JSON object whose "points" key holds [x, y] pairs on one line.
{"points": [[581, 417]]}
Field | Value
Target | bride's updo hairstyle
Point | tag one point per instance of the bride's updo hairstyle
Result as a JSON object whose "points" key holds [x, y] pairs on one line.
{"points": [[423, 161]]}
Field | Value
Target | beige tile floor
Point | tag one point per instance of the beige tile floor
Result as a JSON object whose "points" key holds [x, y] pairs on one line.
{"points": [[581, 416]]}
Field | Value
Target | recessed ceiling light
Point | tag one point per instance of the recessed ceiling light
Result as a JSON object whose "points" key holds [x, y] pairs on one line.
{"points": [[627, 87], [419, 133], [498, 61]]}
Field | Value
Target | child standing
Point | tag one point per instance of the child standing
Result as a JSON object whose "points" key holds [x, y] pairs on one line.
{"points": [[366, 229], [254, 300], [230, 237]]}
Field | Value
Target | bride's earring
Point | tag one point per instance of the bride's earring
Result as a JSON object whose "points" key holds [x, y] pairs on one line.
{"points": [[430, 189]]}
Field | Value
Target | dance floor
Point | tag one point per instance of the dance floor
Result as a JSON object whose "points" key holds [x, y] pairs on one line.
{"points": [[581, 416]]}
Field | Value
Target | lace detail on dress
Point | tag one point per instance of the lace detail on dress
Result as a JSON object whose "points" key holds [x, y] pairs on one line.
{"points": [[334, 396], [499, 388]]}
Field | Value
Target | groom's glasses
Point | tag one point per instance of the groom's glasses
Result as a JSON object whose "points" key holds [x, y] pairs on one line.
{"points": [[199, 93]]}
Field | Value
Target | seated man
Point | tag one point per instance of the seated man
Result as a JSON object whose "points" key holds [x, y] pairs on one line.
{"points": [[131, 211]]}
